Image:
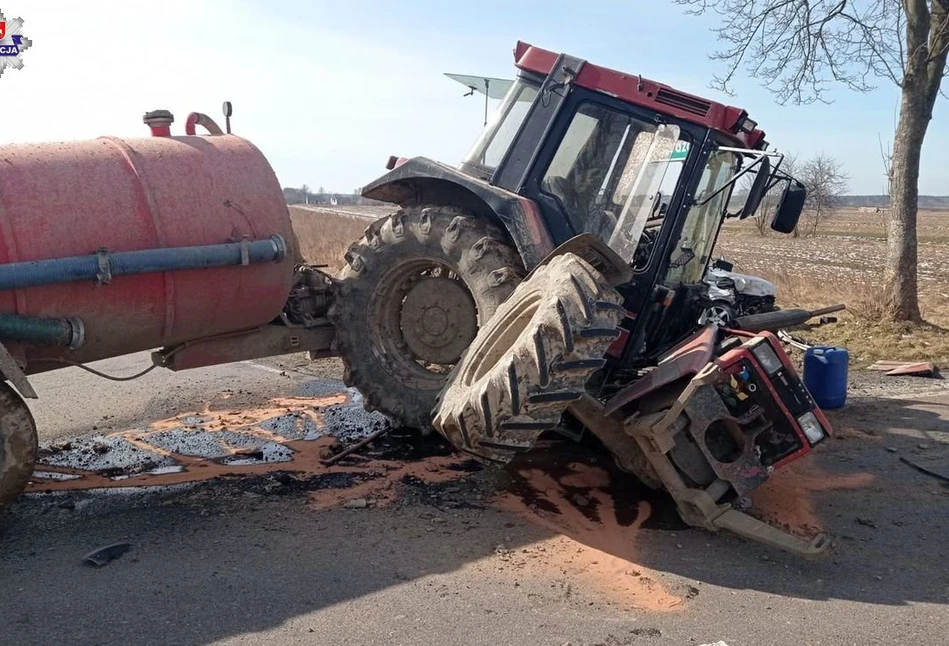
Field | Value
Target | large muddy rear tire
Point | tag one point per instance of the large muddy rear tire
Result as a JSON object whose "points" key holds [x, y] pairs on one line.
{"points": [[531, 360], [413, 293], [18, 445]]}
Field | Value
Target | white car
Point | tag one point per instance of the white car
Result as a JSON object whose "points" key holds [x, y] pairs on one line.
{"points": [[730, 294]]}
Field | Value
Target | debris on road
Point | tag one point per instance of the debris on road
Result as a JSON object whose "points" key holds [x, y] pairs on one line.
{"points": [[357, 503], [793, 341], [358, 445], [944, 477], [288, 434], [906, 368], [105, 555]]}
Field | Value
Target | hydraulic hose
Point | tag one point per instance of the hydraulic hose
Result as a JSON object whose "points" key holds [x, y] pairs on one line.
{"points": [[102, 266]]}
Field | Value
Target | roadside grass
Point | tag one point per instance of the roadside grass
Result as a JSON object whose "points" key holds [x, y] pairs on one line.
{"points": [[862, 328]]}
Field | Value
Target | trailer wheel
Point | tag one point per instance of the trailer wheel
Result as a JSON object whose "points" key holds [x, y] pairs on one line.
{"points": [[18, 445], [413, 293], [531, 360]]}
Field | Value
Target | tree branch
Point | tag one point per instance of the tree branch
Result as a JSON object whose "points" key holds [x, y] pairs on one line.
{"points": [[798, 47]]}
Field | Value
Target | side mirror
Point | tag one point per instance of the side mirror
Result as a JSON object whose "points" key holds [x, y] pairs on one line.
{"points": [[790, 207], [758, 188]]}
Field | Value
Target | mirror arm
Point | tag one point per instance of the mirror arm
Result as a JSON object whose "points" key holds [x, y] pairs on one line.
{"points": [[760, 156]]}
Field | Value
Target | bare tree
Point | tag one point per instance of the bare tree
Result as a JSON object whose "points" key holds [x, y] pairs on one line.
{"points": [[826, 182], [306, 193], [798, 48], [762, 223]]}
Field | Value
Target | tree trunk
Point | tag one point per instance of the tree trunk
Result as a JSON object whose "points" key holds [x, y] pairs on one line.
{"points": [[901, 243], [927, 46]]}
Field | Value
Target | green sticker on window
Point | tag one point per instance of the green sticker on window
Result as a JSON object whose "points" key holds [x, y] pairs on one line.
{"points": [[680, 152]]}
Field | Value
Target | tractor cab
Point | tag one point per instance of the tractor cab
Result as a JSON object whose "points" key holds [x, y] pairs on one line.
{"points": [[649, 170]]}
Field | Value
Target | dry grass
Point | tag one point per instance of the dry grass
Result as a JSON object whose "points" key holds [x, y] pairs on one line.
{"points": [[862, 329], [843, 263], [325, 235]]}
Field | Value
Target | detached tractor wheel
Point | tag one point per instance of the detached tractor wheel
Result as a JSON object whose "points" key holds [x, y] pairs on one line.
{"points": [[531, 360], [411, 298], [18, 445]]}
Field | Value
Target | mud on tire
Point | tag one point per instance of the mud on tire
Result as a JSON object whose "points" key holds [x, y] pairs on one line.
{"points": [[531, 360], [18, 445], [410, 299]]}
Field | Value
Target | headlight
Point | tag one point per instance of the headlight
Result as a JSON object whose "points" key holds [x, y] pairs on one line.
{"points": [[811, 427], [767, 357]]}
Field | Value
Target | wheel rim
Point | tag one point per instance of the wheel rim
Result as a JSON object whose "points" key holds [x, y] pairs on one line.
{"points": [[718, 314], [438, 320], [424, 317]]}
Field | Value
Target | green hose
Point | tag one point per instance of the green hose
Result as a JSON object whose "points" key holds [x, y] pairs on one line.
{"points": [[42, 331]]}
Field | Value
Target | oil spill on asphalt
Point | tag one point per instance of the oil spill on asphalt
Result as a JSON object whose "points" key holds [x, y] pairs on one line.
{"points": [[290, 435], [596, 514]]}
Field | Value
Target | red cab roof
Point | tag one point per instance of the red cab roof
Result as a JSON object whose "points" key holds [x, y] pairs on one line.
{"points": [[649, 94]]}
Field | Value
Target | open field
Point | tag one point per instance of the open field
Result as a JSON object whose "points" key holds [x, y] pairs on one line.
{"points": [[850, 245], [841, 264], [325, 232]]}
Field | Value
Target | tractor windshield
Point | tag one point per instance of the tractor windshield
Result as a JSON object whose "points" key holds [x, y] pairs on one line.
{"points": [[607, 173], [690, 256], [501, 129]]}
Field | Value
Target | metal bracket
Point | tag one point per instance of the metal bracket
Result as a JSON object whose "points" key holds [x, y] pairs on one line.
{"points": [[104, 276], [245, 252], [12, 372], [749, 527]]}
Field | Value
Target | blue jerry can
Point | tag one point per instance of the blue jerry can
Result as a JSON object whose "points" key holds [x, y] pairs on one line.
{"points": [[825, 375]]}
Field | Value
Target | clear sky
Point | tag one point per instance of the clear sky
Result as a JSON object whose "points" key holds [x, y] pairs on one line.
{"points": [[328, 90]]}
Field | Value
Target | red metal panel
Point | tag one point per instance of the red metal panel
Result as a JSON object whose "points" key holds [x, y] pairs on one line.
{"points": [[644, 92], [68, 199]]}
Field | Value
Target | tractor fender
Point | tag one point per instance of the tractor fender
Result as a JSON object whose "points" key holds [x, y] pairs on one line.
{"points": [[422, 181]]}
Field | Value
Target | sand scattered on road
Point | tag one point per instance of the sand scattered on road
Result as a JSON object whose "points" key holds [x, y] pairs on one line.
{"points": [[592, 547], [787, 499]]}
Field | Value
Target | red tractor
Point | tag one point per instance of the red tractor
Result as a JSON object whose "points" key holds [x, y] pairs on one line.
{"points": [[609, 191]]}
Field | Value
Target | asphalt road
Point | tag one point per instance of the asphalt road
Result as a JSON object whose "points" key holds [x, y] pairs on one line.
{"points": [[484, 558]]}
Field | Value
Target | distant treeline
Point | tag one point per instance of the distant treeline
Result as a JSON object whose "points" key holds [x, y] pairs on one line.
{"points": [[882, 201], [299, 196]]}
